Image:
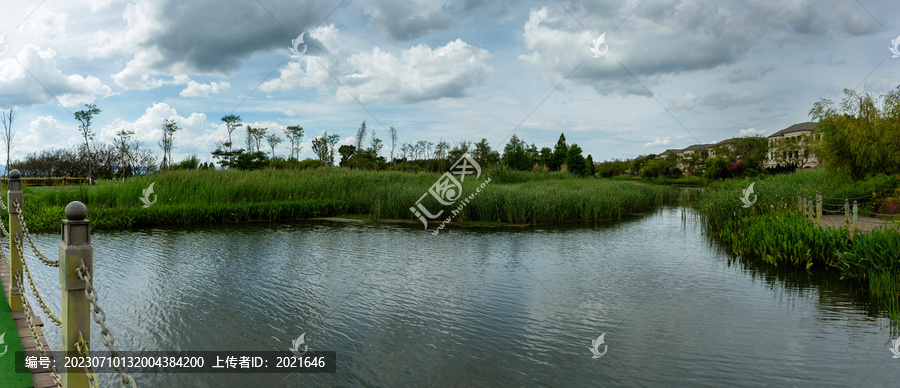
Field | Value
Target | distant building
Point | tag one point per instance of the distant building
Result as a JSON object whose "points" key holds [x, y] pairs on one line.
{"points": [[792, 145]]}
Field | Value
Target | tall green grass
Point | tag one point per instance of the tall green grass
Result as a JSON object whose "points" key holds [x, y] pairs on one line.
{"points": [[200, 196], [774, 231]]}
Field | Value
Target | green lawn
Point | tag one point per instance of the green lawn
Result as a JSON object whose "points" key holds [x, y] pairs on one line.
{"points": [[8, 376]]}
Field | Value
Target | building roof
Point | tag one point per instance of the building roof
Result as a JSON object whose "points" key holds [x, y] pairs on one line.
{"points": [[697, 147], [807, 126]]}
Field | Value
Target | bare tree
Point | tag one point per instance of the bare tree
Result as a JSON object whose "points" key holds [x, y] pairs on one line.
{"points": [[8, 133], [84, 117], [294, 134], [393, 134], [273, 141], [122, 144], [360, 135], [231, 123], [169, 129]]}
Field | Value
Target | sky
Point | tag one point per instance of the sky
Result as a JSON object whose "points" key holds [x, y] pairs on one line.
{"points": [[667, 74]]}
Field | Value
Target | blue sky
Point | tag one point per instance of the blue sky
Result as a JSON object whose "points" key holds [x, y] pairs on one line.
{"points": [[675, 73]]}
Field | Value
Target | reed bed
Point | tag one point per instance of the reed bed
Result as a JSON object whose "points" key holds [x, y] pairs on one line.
{"points": [[774, 231], [204, 196]]}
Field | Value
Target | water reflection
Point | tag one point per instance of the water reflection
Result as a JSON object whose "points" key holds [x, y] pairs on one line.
{"points": [[484, 306]]}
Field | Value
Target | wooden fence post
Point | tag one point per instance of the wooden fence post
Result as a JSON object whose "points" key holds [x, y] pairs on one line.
{"points": [[855, 217], [818, 209], [76, 308], [800, 202], [809, 209], [14, 294], [846, 211]]}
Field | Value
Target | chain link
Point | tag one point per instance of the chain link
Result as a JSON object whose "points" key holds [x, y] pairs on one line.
{"points": [[83, 350], [34, 290], [106, 335], [34, 333], [37, 253]]}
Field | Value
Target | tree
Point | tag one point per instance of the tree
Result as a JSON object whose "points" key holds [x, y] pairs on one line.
{"points": [[591, 167], [122, 138], [169, 129], [346, 151], [8, 133], [273, 141], [440, 152], [393, 134], [560, 152], [484, 155], [323, 146], [574, 161], [84, 117], [360, 135], [862, 136], [294, 134], [255, 137], [515, 154], [231, 123], [546, 157]]}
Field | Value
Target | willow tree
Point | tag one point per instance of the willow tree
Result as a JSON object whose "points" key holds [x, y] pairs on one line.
{"points": [[862, 135]]}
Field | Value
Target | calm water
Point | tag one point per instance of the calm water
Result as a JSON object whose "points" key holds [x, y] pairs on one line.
{"points": [[483, 307]]}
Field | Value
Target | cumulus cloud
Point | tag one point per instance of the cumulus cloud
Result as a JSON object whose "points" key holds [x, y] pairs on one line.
{"points": [[420, 73], [221, 35], [658, 142], [751, 132], [148, 128], [33, 78], [661, 39], [196, 89]]}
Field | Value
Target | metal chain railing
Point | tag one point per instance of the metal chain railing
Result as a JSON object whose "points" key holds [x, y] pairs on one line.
{"points": [[34, 332], [106, 335], [37, 253], [82, 349], [34, 290]]}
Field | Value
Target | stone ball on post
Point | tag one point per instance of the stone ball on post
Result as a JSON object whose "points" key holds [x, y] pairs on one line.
{"points": [[76, 211]]}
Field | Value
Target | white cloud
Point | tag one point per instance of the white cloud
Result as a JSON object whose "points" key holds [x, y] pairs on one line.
{"points": [[28, 88], [751, 132], [196, 89], [148, 129], [419, 74], [658, 142]]}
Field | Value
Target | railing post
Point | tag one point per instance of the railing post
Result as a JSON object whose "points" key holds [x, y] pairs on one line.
{"points": [[846, 211], [855, 217], [76, 326], [799, 201], [803, 206], [809, 209], [818, 209], [14, 294]]}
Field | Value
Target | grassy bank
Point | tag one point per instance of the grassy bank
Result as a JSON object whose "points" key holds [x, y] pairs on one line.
{"points": [[204, 196], [772, 230]]}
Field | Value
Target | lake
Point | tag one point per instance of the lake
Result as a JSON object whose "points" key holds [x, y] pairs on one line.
{"points": [[482, 307]]}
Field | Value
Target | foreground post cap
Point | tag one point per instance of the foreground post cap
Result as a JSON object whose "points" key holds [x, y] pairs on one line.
{"points": [[15, 174], [76, 211]]}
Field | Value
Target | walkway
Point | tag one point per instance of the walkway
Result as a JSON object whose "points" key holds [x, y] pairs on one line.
{"points": [[42, 378]]}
